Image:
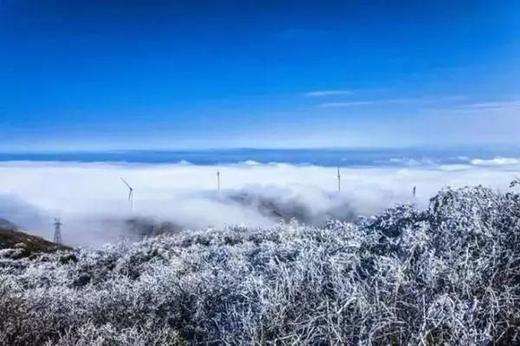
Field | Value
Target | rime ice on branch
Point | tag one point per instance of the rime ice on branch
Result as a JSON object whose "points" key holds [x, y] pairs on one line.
{"points": [[445, 275]]}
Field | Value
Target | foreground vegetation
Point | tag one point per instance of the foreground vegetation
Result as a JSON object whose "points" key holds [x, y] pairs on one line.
{"points": [[446, 275]]}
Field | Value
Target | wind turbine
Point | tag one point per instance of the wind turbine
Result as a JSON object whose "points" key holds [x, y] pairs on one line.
{"points": [[130, 194], [414, 191], [339, 180], [218, 181]]}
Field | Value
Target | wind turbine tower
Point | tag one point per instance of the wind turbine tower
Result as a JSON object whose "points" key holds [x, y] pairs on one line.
{"points": [[57, 231], [339, 180], [218, 181], [130, 194], [414, 191]]}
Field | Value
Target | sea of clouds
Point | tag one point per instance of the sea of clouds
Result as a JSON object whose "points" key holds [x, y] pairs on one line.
{"points": [[92, 201]]}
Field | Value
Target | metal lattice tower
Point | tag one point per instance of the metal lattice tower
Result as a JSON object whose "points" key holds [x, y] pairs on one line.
{"points": [[57, 231]]}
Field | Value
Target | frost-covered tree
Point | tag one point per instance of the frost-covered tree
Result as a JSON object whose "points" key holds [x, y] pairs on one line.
{"points": [[449, 274]]}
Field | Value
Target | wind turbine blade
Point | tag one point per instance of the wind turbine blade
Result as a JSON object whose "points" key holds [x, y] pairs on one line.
{"points": [[126, 183], [130, 193]]}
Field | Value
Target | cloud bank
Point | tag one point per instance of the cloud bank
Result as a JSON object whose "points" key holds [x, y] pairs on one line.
{"points": [[92, 201]]}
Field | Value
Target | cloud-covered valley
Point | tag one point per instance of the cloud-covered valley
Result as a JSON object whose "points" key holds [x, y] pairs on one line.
{"points": [[92, 201]]}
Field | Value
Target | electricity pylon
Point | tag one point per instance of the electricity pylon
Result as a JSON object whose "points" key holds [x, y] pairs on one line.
{"points": [[57, 231]]}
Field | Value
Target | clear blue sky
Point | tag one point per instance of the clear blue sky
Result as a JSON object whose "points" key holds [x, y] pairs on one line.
{"points": [[215, 74]]}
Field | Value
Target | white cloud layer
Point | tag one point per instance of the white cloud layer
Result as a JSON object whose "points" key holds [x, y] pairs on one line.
{"points": [[497, 161], [332, 92], [89, 197]]}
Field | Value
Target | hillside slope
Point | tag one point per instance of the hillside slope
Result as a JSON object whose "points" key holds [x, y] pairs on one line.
{"points": [[447, 275], [12, 238]]}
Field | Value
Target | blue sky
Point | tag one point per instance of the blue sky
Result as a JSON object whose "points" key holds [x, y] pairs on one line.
{"points": [[102, 75]]}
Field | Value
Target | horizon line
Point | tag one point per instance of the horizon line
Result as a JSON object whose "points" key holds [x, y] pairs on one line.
{"points": [[231, 149]]}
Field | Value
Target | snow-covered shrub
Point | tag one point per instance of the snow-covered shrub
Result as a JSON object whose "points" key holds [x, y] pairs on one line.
{"points": [[446, 275]]}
